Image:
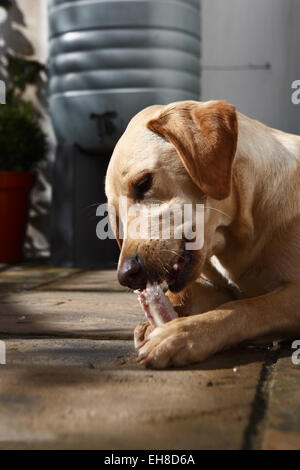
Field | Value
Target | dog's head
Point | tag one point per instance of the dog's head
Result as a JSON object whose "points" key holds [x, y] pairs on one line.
{"points": [[171, 157]]}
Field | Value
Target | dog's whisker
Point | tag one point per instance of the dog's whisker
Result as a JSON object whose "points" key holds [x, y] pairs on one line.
{"points": [[93, 205], [169, 251], [217, 210], [163, 267]]}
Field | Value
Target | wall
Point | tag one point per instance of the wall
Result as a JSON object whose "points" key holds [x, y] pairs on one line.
{"points": [[241, 33]]}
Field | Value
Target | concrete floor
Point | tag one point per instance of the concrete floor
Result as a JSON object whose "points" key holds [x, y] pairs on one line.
{"points": [[71, 379]]}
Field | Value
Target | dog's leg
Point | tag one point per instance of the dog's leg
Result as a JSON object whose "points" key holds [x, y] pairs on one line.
{"points": [[141, 332], [191, 339], [198, 297]]}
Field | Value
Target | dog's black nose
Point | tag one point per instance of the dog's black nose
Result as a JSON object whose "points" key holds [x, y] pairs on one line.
{"points": [[132, 273]]}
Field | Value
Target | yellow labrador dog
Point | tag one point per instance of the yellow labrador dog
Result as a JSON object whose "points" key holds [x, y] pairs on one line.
{"points": [[244, 282]]}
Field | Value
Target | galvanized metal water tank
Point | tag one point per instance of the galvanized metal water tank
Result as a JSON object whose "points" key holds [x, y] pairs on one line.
{"points": [[119, 56]]}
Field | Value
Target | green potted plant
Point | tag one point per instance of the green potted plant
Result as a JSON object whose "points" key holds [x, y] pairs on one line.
{"points": [[22, 145]]}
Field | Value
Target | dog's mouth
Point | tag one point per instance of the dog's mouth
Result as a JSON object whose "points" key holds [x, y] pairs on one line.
{"points": [[155, 304], [181, 271]]}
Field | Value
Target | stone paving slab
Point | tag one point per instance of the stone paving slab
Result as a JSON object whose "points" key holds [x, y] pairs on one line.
{"points": [[72, 381], [91, 281], [282, 428], [58, 394], [23, 277], [70, 314]]}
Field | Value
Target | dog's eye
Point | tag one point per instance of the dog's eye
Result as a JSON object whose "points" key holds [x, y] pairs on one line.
{"points": [[143, 185]]}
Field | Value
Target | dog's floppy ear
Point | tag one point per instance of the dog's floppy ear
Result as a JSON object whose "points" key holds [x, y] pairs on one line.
{"points": [[205, 137]]}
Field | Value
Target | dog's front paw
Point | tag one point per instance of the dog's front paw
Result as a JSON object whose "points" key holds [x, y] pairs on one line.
{"points": [[141, 333], [180, 342]]}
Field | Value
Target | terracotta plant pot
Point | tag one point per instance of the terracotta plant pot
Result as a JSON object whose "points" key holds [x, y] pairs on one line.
{"points": [[15, 189]]}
